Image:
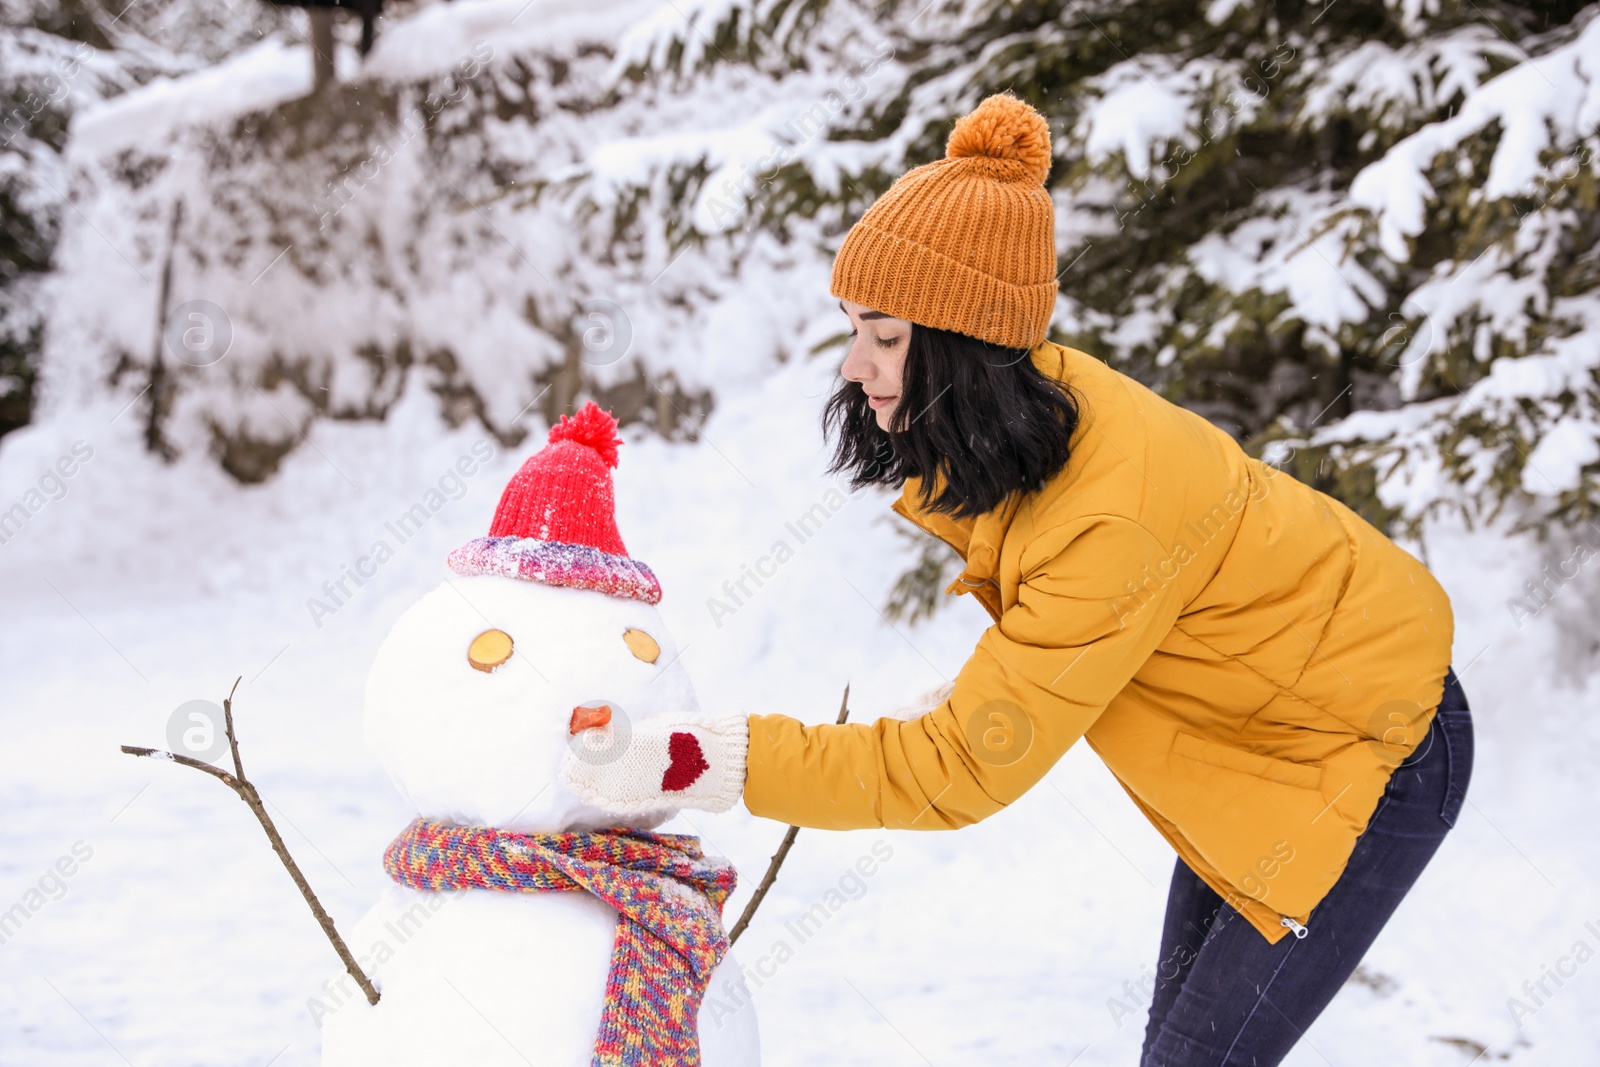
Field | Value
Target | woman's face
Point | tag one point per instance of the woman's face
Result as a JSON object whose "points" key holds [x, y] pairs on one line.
{"points": [[877, 357]]}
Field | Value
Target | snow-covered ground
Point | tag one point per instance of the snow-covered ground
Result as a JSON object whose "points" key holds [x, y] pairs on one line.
{"points": [[178, 939], [143, 918]]}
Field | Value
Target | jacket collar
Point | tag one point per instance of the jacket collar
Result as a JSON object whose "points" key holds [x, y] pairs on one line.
{"points": [[976, 538]]}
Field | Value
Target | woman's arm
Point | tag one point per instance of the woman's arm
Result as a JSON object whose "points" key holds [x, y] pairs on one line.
{"points": [[1036, 682]]}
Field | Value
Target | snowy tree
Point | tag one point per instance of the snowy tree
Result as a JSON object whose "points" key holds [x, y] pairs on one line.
{"points": [[1356, 235], [57, 58]]}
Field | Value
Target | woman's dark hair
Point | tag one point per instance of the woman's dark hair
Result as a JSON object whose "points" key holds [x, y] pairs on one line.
{"points": [[984, 417]]}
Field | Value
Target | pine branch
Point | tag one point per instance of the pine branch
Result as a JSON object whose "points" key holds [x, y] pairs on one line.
{"points": [[783, 851], [247, 792]]}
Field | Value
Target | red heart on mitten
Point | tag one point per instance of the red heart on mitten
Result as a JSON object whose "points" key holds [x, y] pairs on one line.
{"points": [[688, 762]]}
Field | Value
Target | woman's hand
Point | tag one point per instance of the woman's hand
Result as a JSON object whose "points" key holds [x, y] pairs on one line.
{"points": [[670, 761]]}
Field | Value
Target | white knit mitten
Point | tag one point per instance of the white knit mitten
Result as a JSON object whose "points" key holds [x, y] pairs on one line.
{"points": [[670, 761]]}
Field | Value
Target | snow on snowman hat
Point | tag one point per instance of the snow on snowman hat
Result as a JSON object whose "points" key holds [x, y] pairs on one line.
{"points": [[557, 523]]}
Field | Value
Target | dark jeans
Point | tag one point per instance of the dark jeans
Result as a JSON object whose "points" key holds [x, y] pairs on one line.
{"points": [[1226, 997]]}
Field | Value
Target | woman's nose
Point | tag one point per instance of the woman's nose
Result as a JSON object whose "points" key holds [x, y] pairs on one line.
{"points": [[855, 367]]}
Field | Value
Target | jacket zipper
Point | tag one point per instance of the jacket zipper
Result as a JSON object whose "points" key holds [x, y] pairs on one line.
{"points": [[1299, 931]]}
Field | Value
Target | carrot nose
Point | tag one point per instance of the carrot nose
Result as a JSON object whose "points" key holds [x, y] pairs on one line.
{"points": [[583, 718]]}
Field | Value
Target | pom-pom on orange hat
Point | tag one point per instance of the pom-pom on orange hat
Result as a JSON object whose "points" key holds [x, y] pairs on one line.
{"points": [[967, 242]]}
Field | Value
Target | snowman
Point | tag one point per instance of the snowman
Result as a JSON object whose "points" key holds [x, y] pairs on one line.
{"points": [[528, 923]]}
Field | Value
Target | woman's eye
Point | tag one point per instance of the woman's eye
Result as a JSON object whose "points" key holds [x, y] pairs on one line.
{"points": [[489, 650], [889, 342], [641, 644]]}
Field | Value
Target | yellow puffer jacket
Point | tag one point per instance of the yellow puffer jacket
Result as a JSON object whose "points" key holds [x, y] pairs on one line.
{"points": [[1249, 657]]}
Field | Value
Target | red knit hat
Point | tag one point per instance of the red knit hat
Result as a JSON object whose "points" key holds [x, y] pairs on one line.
{"points": [[557, 523]]}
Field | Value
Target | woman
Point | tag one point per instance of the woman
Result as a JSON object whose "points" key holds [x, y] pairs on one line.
{"points": [[1265, 673]]}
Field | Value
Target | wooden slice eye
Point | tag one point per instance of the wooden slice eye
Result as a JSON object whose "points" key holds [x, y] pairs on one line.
{"points": [[641, 644], [489, 650]]}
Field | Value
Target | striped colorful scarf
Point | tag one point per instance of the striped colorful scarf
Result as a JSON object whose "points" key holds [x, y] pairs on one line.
{"points": [[669, 929]]}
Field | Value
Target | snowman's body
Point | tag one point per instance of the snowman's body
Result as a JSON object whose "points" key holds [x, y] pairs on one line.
{"points": [[484, 977], [493, 979]]}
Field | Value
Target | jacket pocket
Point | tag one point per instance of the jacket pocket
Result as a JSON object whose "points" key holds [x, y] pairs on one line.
{"points": [[1282, 771]]}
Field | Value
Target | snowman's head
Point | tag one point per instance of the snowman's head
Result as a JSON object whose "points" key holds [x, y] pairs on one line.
{"points": [[474, 742], [484, 683]]}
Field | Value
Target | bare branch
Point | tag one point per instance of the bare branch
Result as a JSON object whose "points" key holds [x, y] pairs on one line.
{"points": [[247, 793], [227, 717], [783, 850], [172, 757]]}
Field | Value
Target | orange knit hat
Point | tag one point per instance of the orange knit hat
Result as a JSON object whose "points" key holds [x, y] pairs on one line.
{"points": [[965, 243]]}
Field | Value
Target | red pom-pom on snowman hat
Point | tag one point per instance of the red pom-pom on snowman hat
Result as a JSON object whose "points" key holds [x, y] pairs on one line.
{"points": [[556, 522]]}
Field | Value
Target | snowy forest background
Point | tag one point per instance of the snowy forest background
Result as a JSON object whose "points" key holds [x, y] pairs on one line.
{"points": [[244, 326]]}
